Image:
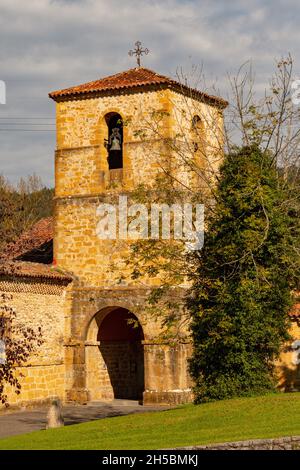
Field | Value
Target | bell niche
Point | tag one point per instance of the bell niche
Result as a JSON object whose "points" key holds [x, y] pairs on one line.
{"points": [[114, 143]]}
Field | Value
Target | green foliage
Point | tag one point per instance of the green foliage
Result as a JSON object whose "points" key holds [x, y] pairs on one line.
{"points": [[270, 416], [241, 290]]}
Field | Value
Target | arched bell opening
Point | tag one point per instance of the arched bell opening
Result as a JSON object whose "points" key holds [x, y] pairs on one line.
{"points": [[114, 141], [198, 135]]}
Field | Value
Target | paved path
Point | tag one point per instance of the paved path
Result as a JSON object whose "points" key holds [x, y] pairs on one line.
{"points": [[21, 422]]}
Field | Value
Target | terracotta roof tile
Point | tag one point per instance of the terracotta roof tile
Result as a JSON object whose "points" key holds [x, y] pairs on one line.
{"points": [[33, 245], [32, 270], [32, 254], [132, 79]]}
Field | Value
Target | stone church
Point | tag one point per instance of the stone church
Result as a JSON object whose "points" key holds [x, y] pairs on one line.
{"points": [[62, 279]]}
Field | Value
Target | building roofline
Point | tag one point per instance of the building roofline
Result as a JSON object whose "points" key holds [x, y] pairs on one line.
{"points": [[109, 85], [26, 269]]}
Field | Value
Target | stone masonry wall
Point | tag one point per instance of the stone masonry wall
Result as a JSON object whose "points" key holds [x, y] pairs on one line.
{"points": [[209, 137], [288, 366], [44, 374], [39, 384], [115, 370], [87, 375], [83, 179], [280, 443], [81, 157]]}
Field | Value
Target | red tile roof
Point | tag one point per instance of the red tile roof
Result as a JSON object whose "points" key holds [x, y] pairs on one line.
{"points": [[133, 79], [31, 255], [33, 245], [32, 270]]}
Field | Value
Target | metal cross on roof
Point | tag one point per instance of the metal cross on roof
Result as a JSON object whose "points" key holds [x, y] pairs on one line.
{"points": [[138, 52]]}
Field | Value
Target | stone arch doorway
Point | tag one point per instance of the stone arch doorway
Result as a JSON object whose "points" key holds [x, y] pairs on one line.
{"points": [[115, 361]]}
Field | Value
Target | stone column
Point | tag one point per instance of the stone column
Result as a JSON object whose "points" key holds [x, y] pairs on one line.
{"points": [[167, 381], [75, 372]]}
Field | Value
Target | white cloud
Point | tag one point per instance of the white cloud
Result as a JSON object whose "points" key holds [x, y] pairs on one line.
{"points": [[50, 44]]}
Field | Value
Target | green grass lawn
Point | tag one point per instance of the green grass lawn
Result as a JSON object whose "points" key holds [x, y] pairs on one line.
{"points": [[229, 420]]}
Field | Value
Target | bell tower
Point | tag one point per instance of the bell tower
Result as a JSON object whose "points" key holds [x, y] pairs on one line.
{"points": [[106, 146]]}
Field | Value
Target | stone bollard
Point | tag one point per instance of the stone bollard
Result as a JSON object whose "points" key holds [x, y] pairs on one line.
{"points": [[54, 417]]}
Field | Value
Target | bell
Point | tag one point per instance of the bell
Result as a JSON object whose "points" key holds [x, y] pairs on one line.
{"points": [[115, 139], [115, 144]]}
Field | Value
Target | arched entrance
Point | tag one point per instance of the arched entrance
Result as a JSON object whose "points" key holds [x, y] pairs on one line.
{"points": [[115, 361]]}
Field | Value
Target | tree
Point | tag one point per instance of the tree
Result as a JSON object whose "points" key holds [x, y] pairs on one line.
{"points": [[246, 271], [35, 201], [17, 343], [22, 206], [8, 211], [261, 260], [269, 121]]}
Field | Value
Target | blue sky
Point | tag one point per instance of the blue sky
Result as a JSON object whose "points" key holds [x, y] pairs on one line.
{"points": [[50, 44]]}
